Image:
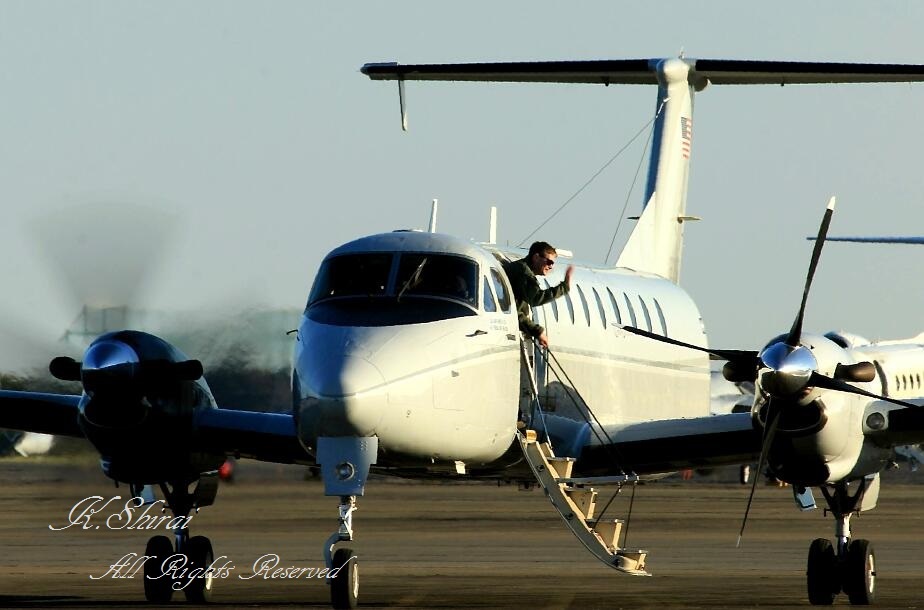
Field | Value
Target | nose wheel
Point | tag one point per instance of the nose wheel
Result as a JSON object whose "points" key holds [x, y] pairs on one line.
{"points": [[343, 576], [344, 587]]}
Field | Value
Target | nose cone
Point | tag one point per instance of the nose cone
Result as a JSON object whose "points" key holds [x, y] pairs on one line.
{"points": [[340, 395], [108, 362], [106, 354], [787, 370]]}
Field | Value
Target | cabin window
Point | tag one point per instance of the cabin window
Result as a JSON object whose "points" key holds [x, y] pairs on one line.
{"points": [[584, 304], [634, 322], [500, 287], [904, 383], [552, 303], [919, 379], [661, 317], [488, 299], [352, 275], [615, 306], [600, 307], [645, 312], [570, 305]]}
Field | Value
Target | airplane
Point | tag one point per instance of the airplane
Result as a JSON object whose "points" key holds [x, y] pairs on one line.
{"points": [[409, 362]]}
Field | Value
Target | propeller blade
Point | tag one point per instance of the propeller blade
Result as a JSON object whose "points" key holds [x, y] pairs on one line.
{"points": [[163, 370], [64, 368], [823, 381], [796, 332], [743, 357], [773, 418], [128, 241]]}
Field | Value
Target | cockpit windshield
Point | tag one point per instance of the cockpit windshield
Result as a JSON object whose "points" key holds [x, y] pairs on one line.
{"points": [[383, 288], [437, 275], [352, 275]]}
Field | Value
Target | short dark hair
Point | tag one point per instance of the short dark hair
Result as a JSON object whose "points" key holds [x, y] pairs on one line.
{"points": [[541, 247]]}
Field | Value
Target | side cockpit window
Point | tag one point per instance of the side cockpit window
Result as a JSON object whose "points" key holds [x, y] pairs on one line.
{"points": [[500, 287], [352, 275], [488, 301]]}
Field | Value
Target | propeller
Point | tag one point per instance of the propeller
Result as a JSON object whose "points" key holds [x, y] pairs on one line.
{"points": [[116, 378], [103, 254], [786, 369], [114, 359], [100, 255], [773, 418]]}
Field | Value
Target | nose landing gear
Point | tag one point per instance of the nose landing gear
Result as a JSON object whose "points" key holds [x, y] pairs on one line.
{"points": [[344, 569], [345, 462], [851, 565]]}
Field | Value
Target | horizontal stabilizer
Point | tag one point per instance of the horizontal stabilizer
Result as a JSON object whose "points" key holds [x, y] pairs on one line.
{"points": [[878, 240], [622, 71], [644, 72]]}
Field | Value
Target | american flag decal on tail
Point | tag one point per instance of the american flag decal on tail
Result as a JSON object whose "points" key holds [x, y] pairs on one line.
{"points": [[686, 136]]}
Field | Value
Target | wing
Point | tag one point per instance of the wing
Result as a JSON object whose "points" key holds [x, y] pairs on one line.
{"points": [[657, 446], [897, 426], [37, 412], [268, 437]]}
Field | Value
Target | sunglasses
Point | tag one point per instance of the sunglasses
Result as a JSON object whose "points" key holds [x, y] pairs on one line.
{"points": [[549, 261]]}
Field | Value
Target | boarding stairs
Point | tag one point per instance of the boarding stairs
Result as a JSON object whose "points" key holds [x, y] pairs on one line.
{"points": [[575, 497]]}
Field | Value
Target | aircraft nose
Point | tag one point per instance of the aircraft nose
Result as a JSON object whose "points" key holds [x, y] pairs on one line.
{"points": [[341, 395], [347, 376]]}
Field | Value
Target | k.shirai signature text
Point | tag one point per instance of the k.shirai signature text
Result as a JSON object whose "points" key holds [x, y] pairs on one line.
{"points": [[135, 515]]}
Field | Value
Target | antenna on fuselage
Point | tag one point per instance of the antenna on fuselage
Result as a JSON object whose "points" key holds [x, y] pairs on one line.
{"points": [[492, 226], [433, 209]]}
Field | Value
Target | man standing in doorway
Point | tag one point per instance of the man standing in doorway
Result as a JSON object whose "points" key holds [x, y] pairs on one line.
{"points": [[522, 274]]}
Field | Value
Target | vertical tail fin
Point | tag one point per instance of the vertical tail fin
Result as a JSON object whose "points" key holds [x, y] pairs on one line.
{"points": [[656, 242]]}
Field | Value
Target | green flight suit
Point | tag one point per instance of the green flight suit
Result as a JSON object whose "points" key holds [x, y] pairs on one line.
{"points": [[527, 293]]}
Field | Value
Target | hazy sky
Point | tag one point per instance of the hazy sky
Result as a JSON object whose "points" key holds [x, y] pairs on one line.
{"points": [[241, 141]]}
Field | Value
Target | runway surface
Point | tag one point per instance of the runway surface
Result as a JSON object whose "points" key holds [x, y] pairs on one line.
{"points": [[449, 546]]}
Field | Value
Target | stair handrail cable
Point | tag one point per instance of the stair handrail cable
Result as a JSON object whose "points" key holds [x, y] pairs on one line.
{"points": [[609, 446]]}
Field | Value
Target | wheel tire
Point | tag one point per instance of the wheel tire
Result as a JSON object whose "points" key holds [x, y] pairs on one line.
{"points": [[158, 588], [344, 587], [744, 474], [821, 573], [860, 573], [199, 555]]}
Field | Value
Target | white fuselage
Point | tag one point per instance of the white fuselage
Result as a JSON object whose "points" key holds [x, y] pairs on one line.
{"points": [[437, 378]]}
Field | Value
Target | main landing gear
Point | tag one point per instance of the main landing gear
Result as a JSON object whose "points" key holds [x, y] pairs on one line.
{"points": [[163, 576], [846, 565]]}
